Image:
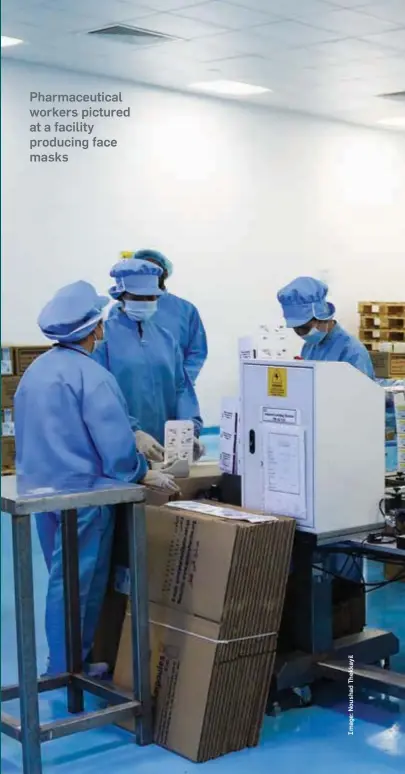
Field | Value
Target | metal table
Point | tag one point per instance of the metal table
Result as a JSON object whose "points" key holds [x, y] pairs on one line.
{"points": [[130, 502]]}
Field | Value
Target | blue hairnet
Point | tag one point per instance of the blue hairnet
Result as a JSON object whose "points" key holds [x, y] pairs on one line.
{"points": [[73, 313], [155, 255], [138, 277], [303, 299]]}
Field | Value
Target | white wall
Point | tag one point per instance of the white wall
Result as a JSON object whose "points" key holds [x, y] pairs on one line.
{"points": [[241, 199]]}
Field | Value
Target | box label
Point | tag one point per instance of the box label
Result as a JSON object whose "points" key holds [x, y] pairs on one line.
{"points": [[277, 382], [279, 416]]}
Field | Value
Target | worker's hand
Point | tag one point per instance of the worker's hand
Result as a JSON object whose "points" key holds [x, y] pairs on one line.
{"points": [[148, 446], [198, 450], [158, 480]]}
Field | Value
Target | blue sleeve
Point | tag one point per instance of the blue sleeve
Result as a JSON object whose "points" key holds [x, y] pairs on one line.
{"points": [[187, 401], [100, 354], [196, 352], [106, 417], [359, 358]]}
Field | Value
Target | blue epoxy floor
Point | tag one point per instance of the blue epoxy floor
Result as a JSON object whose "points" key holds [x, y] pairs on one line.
{"points": [[313, 739]]}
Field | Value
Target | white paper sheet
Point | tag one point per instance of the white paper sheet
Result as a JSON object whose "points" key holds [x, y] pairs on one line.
{"points": [[284, 470], [223, 513]]}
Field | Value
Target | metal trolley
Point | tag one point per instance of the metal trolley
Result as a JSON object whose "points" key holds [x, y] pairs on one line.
{"points": [[129, 501]]}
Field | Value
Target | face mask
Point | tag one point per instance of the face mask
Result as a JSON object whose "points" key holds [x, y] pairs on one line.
{"points": [[315, 336], [97, 341], [139, 311]]}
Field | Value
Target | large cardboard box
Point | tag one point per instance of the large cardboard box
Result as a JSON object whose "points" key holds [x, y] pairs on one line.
{"points": [[217, 580], [26, 355], [217, 567], [9, 386], [388, 365], [7, 455], [209, 695]]}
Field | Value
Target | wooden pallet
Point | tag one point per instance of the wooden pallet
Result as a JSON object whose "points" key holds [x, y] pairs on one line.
{"points": [[387, 308], [375, 321], [383, 334]]}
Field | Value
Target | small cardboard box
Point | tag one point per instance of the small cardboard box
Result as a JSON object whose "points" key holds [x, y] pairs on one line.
{"points": [[26, 355], [7, 454], [209, 697], [7, 423], [8, 363], [9, 386], [388, 365]]}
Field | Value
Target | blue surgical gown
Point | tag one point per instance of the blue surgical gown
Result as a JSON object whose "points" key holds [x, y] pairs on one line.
{"points": [[182, 319], [148, 366], [72, 425], [340, 346]]}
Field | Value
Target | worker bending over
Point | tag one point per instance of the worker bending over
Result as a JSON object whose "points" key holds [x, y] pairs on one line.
{"points": [[306, 309], [177, 315], [72, 428], [146, 360]]}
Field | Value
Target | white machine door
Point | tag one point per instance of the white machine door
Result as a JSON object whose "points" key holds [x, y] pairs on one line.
{"points": [[277, 440]]}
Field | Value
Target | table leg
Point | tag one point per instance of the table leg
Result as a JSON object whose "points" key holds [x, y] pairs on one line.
{"points": [[71, 588], [26, 645], [138, 568]]}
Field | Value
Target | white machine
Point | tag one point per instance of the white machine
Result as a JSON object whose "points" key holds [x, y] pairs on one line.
{"points": [[313, 444]]}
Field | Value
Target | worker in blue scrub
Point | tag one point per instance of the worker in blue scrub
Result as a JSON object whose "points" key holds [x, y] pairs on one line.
{"points": [[307, 310], [146, 360], [72, 428], [177, 315]]}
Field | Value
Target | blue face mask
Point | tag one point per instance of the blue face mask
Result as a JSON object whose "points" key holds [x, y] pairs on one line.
{"points": [[315, 336], [139, 311]]}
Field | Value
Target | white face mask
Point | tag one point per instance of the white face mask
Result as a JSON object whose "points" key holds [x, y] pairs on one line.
{"points": [[97, 341], [139, 311]]}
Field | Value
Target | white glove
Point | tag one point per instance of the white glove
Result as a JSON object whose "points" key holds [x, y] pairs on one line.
{"points": [[198, 450], [158, 480], [148, 446]]}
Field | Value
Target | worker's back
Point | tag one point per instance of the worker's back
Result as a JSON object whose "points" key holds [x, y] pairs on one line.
{"points": [[53, 418]]}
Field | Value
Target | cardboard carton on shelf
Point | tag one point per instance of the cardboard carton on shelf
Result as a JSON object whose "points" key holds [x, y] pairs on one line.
{"points": [[25, 355], [7, 455], [388, 365], [9, 386]]}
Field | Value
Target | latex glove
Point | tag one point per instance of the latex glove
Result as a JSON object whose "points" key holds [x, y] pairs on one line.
{"points": [[198, 450], [148, 446], [158, 480]]}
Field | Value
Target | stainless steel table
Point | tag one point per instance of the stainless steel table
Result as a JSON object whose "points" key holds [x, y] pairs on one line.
{"points": [[20, 502]]}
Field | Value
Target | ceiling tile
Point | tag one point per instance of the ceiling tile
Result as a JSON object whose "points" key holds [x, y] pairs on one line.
{"points": [[353, 23], [394, 40], [391, 10], [294, 34], [226, 15]]}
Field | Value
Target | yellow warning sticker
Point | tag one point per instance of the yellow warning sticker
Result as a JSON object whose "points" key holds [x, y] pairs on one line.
{"points": [[277, 382]]}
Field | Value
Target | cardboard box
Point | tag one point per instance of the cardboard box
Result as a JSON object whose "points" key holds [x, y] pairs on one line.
{"points": [[394, 572], [218, 568], [9, 386], [216, 587], [388, 365], [26, 355], [7, 454], [209, 696], [8, 364], [7, 423]]}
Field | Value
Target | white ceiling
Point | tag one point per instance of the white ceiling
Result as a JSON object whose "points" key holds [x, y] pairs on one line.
{"points": [[327, 57]]}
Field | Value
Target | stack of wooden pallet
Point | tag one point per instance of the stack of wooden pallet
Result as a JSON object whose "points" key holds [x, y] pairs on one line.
{"points": [[382, 331]]}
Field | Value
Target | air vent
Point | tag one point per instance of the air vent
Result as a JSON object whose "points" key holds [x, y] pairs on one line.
{"points": [[135, 36], [398, 96]]}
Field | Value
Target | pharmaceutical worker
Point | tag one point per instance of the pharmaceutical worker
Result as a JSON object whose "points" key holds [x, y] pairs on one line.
{"points": [[307, 310], [72, 428], [177, 315], [146, 360]]}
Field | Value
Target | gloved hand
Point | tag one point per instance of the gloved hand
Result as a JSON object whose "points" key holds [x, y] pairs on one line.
{"points": [[148, 446], [198, 450], [158, 480]]}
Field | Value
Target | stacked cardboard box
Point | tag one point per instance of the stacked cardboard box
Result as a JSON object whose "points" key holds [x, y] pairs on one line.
{"points": [[216, 588], [14, 361]]}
